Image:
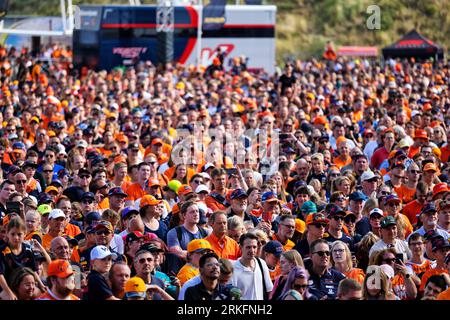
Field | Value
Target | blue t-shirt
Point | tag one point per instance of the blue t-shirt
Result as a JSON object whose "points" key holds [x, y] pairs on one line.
{"points": [[325, 285], [186, 237], [161, 232]]}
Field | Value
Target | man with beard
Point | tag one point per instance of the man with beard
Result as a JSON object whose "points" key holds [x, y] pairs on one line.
{"points": [[56, 224], [61, 281], [238, 206], [209, 287], [429, 217]]}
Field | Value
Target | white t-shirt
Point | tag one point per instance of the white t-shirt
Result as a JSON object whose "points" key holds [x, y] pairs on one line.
{"points": [[399, 245], [249, 281], [117, 244]]}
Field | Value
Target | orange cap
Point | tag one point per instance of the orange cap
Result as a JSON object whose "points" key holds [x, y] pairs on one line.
{"points": [[320, 120], [60, 268], [430, 167], [420, 134], [184, 189], [148, 200], [440, 188], [157, 141]]}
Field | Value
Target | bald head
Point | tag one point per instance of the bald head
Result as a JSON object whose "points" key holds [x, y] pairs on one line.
{"points": [[60, 248]]}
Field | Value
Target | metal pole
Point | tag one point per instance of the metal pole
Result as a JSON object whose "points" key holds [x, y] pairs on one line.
{"points": [[63, 15], [71, 21], [199, 33]]}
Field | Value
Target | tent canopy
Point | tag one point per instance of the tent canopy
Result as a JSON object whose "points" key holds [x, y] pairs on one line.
{"points": [[413, 44]]}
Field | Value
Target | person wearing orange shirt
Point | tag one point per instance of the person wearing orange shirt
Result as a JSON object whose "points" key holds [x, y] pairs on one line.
{"points": [[61, 281], [157, 149], [412, 209], [139, 189], [285, 232], [420, 138], [418, 263], [56, 220], [392, 208], [216, 200], [195, 250], [272, 251], [344, 158], [445, 295], [440, 248], [407, 190], [223, 246]]}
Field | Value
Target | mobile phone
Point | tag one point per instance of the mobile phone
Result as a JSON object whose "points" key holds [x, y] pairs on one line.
{"points": [[231, 171], [284, 136], [399, 257], [13, 206]]}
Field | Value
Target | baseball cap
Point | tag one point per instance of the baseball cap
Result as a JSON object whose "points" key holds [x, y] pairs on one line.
{"points": [[34, 119], [403, 143], [440, 188], [87, 195], [83, 171], [388, 221], [420, 134], [91, 217], [133, 145], [133, 236], [148, 200], [44, 209], [60, 268], [335, 210], [368, 131], [101, 252], [357, 196], [429, 207], [198, 245], [368, 175], [50, 189], [308, 207], [135, 287], [274, 247], [13, 170], [82, 144], [45, 198], [207, 166], [174, 185], [316, 218], [415, 113], [430, 167], [376, 211], [128, 211], [439, 243], [103, 224], [392, 198], [148, 247], [98, 160], [56, 213], [57, 183], [30, 164], [157, 141], [72, 241], [269, 196], [184, 189], [117, 191], [238, 193], [202, 188]]}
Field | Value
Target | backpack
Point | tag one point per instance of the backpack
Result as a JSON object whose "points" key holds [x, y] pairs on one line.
{"points": [[203, 233]]}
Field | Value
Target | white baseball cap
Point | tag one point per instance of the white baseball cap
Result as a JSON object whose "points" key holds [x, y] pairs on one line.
{"points": [[101, 252], [202, 188], [205, 175], [376, 211], [82, 144], [56, 213], [367, 175]]}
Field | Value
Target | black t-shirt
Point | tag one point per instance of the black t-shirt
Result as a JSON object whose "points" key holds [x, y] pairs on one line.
{"points": [[98, 287], [346, 239], [303, 248], [9, 261], [199, 293], [362, 227], [161, 232]]}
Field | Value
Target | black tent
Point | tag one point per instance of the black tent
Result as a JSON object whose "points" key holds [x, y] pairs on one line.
{"points": [[413, 44]]}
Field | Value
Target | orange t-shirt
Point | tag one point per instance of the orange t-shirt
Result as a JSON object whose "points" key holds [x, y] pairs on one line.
{"points": [[405, 194], [340, 163], [72, 230], [356, 274], [411, 210], [428, 274], [212, 204], [226, 248], [46, 241], [413, 151], [420, 270], [48, 296], [187, 272], [286, 246], [135, 192], [275, 273], [445, 295]]}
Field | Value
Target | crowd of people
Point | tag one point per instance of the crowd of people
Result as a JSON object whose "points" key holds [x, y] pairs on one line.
{"points": [[328, 180]]}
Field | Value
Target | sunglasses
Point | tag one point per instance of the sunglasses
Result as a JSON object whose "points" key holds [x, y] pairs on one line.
{"points": [[323, 253], [394, 204], [85, 177], [338, 218], [198, 181], [47, 171], [21, 181], [88, 201], [389, 260], [103, 232], [319, 225], [350, 220], [414, 171], [49, 156], [144, 260]]}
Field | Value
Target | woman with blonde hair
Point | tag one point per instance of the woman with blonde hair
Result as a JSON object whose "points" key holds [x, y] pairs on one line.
{"points": [[343, 184], [288, 260], [377, 285], [369, 205], [341, 259], [362, 253]]}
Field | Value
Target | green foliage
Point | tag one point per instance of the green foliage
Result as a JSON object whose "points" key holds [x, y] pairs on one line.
{"points": [[304, 26]]}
